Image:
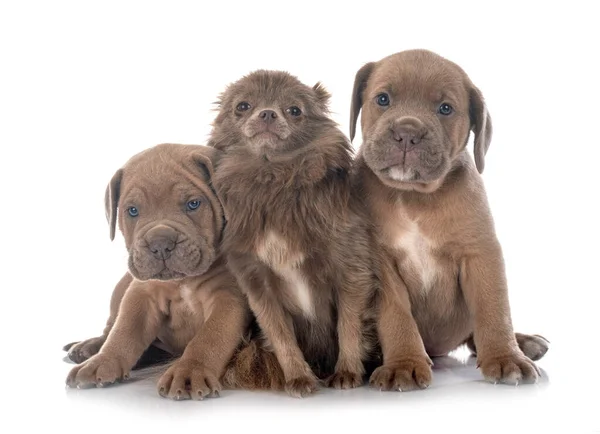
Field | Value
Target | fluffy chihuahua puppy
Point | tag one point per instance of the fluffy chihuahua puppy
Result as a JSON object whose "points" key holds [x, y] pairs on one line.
{"points": [[296, 240]]}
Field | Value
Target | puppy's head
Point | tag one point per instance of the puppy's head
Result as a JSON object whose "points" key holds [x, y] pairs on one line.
{"points": [[167, 210], [269, 112], [417, 113]]}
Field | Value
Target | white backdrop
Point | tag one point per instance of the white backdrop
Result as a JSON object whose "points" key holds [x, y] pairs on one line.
{"points": [[85, 85]]}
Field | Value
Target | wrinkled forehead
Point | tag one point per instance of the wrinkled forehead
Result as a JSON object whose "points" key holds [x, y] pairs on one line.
{"points": [[420, 79], [160, 187]]}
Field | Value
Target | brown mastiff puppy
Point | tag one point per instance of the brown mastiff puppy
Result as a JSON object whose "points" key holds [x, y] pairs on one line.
{"points": [[296, 239], [443, 279], [180, 291]]}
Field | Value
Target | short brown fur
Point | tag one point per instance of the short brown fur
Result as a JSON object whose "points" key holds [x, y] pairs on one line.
{"points": [[296, 240], [181, 292], [443, 278]]}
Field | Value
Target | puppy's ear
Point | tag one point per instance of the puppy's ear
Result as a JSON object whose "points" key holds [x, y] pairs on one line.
{"points": [[111, 201], [203, 162], [321, 93], [360, 83], [481, 125]]}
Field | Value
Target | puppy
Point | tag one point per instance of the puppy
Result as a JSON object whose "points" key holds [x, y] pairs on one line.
{"points": [[296, 240], [443, 278], [179, 291]]}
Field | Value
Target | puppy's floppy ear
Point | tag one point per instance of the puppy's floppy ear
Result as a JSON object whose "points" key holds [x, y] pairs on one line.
{"points": [[203, 162], [111, 201], [360, 83], [321, 93], [481, 125]]}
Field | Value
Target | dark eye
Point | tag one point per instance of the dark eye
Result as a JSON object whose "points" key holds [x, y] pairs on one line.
{"points": [[133, 211], [383, 99], [294, 111], [445, 109], [243, 106], [193, 205]]}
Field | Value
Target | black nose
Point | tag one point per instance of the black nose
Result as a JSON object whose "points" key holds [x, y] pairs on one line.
{"points": [[408, 135], [267, 116]]}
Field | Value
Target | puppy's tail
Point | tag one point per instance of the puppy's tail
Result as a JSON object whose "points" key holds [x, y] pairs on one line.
{"points": [[254, 367]]}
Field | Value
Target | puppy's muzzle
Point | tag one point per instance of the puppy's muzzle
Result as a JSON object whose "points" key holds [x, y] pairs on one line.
{"points": [[161, 241], [408, 132]]}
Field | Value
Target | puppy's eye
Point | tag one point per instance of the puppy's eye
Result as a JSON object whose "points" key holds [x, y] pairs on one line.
{"points": [[243, 106], [294, 111], [445, 109], [133, 211], [193, 205], [383, 99]]}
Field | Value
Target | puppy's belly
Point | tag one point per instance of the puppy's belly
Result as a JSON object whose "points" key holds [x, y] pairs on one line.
{"points": [[439, 309]]}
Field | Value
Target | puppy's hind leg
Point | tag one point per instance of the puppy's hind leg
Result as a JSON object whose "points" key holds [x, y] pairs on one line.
{"points": [[533, 346]]}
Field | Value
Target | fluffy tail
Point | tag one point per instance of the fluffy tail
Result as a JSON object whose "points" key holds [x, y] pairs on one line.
{"points": [[254, 367]]}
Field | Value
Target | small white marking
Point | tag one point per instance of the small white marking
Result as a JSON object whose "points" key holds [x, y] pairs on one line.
{"points": [[275, 252], [401, 174], [418, 253], [187, 294], [299, 287]]}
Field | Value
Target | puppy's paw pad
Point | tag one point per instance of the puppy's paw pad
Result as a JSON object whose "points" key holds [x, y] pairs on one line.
{"points": [[301, 386], [345, 380], [409, 374]]}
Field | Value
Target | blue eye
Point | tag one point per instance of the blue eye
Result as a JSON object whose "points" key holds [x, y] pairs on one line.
{"points": [[445, 109], [193, 205], [133, 211], [383, 99]]}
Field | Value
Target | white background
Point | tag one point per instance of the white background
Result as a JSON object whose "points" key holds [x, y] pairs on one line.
{"points": [[85, 85]]}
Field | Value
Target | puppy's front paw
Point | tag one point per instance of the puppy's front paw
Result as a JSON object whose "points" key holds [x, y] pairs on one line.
{"points": [[512, 369], [188, 379], [79, 352], [300, 387], [100, 370], [409, 374], [345, 380]]}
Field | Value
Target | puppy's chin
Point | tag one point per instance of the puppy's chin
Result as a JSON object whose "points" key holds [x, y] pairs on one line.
{"points": [[265, 142], [401, 179], [195, 261]]}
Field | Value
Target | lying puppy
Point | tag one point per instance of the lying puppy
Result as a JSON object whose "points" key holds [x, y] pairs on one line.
{"points": [[296, 241], [443, 279], [181, 292]]}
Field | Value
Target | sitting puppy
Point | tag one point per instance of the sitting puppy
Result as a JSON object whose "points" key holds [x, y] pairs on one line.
{"points": [[180, 291], [443, 278], [297, 242]]}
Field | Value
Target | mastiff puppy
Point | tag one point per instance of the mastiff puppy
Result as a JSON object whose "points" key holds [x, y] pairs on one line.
{"points": [[443, 278], [178, 289]]}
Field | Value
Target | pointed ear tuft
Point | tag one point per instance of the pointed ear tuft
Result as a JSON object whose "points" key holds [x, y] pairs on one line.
{"points": [[322, 94]]}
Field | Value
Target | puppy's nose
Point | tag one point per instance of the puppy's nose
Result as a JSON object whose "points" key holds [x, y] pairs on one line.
{"points": [[161, 247], [161, 241], [408, 137], [267, 116]]}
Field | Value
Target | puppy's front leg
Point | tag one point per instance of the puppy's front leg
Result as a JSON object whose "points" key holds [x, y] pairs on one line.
{"points": [[483, 282], [276, 324], [406, 365], [353, 299], [204, 360], [136, 326]]}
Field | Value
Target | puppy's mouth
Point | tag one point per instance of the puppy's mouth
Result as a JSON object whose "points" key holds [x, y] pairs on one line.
{"points": [[157, 261]]}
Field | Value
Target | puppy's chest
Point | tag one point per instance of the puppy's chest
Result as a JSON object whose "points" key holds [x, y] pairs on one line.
{"points": [[286, 262], [416, 252]]}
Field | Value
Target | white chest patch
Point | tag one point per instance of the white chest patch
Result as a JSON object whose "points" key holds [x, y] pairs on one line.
{"points": [[275, 252], [187, 294], [419, 257]]}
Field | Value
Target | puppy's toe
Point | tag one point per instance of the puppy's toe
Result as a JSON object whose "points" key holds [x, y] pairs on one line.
{"points": [[345, 380], [409, 374], [79, 352], [301, 386], [512, 369]]}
